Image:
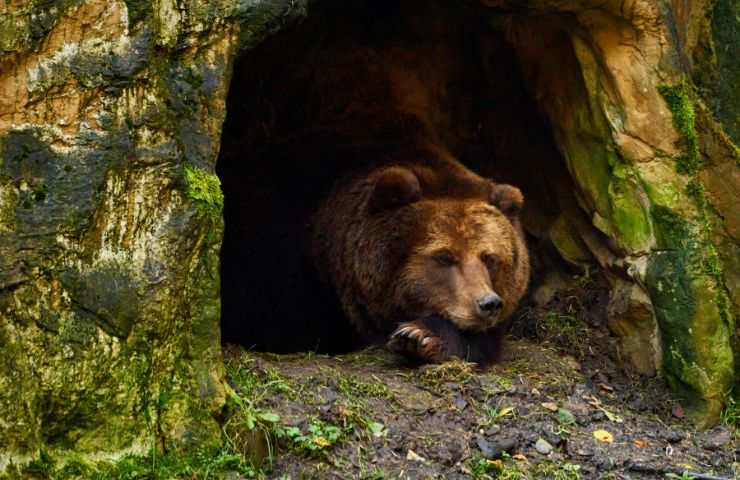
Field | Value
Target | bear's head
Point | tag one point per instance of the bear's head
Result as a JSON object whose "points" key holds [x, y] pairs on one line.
{"points": [[464, 256]]}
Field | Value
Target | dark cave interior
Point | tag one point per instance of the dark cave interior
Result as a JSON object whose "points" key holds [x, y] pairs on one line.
{"points": [[274, 165]]}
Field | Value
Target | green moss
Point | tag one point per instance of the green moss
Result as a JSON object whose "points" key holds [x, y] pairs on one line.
{"points": [[614, 190], [204, 189], [679, 100], [686, 281], [201, 463], [630, 218], [672, 230], [693, 311]]}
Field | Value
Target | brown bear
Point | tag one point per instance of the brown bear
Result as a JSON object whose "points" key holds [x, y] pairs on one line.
{"points": [[424, 252], [348, 219]]}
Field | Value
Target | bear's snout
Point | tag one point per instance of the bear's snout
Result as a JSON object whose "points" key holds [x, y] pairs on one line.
{"points": [[490, 304]]}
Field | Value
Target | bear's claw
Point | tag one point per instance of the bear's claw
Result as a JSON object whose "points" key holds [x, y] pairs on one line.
{"points": [[416, 342]]}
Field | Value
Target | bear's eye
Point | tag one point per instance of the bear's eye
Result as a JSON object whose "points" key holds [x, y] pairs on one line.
{"points": [[444, 258], [491, 262]]}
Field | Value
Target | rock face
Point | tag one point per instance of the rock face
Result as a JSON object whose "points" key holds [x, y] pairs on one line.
{"points": [[645, 153], [110, 220], [110, 214]]}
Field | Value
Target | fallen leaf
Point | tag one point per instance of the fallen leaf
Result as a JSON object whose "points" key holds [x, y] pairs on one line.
{"points": [[550, 406], [606, 387], [505, 411], [613, 417], [640, 443], [415, 457], [497, 464], [519, 457], [321, 442], [603, 436]]}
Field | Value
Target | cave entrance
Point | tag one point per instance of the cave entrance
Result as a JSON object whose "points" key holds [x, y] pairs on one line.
{"points": [[486, 103]]}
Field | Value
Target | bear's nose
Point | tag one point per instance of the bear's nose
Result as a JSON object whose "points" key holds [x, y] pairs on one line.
{"points": [[490, 303]]}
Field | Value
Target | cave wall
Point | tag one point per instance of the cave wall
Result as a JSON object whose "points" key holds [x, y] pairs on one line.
{"points": [[646, 157], [110, 220], [110, 215]]}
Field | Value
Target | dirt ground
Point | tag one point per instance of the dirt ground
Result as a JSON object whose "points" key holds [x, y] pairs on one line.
{"points": [[559, 406], [540, 413]]}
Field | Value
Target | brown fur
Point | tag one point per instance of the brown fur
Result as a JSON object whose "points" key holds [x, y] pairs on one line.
{"points": [[382, 259]]}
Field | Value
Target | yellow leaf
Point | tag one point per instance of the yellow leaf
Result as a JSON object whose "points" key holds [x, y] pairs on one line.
{"points": [[322, 442], [603, 436], [519, 457], [505, 411], [497, 464]]}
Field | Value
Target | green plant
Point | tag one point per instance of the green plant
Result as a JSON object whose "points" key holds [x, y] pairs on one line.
{"points": [[683, 476], [494, 414], [204, 189], [555, 471], [251, 429], [482, 468], [319, 437], [730, 416], [568, 471], [42, 467], [203, 464]]}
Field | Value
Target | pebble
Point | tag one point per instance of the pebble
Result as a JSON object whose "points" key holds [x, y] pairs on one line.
{"points": [[460, 403], [543, 446], [717, 438], [673, 436], [585, 452], [492, 450]]}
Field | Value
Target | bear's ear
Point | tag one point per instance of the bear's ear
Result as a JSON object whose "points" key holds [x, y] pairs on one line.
{"points": [[394, 187], [507, 198]]}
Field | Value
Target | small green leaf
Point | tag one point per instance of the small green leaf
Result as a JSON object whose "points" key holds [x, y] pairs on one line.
{"points": [[269, 417], [378, 429], [565, 417]]}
